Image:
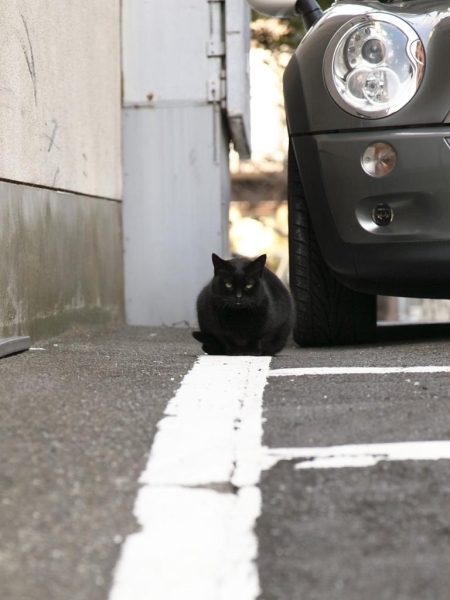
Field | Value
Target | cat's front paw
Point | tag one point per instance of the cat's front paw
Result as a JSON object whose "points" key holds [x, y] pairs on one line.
{"points": [[246, 351], [199, 336], [210, 344]]}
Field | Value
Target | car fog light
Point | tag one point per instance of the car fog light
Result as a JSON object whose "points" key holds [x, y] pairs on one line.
{"points": [[382, 215], [378, 159]]}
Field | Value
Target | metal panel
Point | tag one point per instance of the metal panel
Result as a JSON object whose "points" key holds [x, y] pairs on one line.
{"points": [[237, 30], [165, 51], [176, 170], [176, 186], [60, 95], [14, 345]]}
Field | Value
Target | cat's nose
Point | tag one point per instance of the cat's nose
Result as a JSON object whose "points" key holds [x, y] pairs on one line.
{"points": [[238, 295]]}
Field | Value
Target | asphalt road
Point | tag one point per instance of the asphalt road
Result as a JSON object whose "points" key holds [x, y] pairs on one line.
{"points": [[78, 418], [378, 533]]}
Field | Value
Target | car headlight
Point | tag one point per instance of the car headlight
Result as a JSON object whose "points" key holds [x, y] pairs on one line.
{"points": [[374, 66]]}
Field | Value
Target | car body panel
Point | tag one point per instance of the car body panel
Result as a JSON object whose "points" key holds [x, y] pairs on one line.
{"points": [[411, 255], [430, 105], [419, 212]]}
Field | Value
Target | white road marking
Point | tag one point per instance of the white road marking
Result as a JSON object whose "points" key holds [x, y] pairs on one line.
{"points": [[297, 372], [357, 455], [197, 539], [199, 499]]}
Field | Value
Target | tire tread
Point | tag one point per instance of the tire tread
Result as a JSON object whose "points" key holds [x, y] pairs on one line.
{"points": [[327, 312]]}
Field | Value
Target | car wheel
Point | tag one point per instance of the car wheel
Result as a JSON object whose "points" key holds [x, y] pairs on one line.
{"points": [[327, 312]]}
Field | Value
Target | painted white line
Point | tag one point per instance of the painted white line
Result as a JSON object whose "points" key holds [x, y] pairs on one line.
{"points": [[198, 542], [199, 499], [357, 455], [213, 429], [296, 372]]}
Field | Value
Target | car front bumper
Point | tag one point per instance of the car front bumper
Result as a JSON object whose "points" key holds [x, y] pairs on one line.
{"points": [[411, 255]]}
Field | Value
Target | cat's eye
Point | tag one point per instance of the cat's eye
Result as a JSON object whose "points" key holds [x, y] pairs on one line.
{"points": [[228, 285], [249, 285]]}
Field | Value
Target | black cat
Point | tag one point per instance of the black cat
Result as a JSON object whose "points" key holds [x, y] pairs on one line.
{"points": [[244, 310]]}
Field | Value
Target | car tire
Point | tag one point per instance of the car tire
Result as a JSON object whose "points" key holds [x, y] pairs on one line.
{"points": [[327, 312]]}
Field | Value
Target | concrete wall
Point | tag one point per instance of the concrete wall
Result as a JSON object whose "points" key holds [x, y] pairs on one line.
{"points": [[60, 95], [61, 260], [60, 130]]}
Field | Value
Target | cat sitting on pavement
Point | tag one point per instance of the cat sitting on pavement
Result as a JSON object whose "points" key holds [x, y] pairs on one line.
{"points": [[244, 310]]}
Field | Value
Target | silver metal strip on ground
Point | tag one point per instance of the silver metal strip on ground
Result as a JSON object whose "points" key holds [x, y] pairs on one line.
{"points": [[13, 345]]}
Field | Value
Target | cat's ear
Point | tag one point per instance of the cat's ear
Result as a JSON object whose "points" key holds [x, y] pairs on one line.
{"points": [[219, 263], [256, 267]]}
